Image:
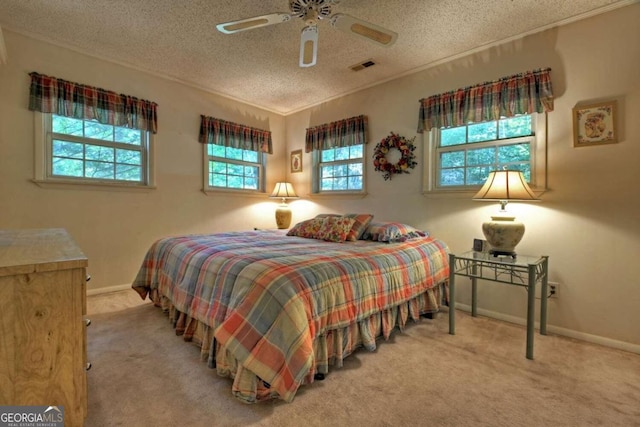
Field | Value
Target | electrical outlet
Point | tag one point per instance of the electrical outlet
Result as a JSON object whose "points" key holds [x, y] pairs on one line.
{"points": [[552, 290]]}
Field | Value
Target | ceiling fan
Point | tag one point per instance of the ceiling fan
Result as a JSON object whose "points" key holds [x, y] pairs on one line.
{"points": [[311, 12]]}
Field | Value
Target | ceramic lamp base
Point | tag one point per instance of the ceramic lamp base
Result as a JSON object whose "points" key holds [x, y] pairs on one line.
{"points": [[283, 216], [503, 234]]}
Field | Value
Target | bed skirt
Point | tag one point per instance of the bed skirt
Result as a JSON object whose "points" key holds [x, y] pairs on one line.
{"points": [[330, 348]]}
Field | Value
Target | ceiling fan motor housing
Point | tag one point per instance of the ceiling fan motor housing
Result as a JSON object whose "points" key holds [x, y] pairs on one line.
{"points": [[311, 11]]}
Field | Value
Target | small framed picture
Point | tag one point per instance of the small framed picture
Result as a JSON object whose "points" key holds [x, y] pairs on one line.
{"points": [[296, 161], [595, 124]]}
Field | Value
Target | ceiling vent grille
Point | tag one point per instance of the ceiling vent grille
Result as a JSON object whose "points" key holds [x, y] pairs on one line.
{"points": [[362, 65]]}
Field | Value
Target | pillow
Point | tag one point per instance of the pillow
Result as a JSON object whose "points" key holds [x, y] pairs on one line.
{"points": [[359, 226], [308, 228], [391, 232], [335, 228], [326, 215]]}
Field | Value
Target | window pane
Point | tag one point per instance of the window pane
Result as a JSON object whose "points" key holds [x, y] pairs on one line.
{"points": [[356, 151], [99, 170], [96, 152], [478, 175], [327, 184], [515, 126], [68, 149], [327, 171], [355, 183], [97, 130], [67, 167], [67, 125], [453, 136], [450, 177], [340, 170], [452, 159], [218, 167], [481, 156], [216, 150], [250, 156], [514, 153], [483, 131], [234, 181], [342, 153], [233, 169], [128, 136], [128, 172], [328, 155], [233, 153], [355, 169], [218, 180], [130, 157]]}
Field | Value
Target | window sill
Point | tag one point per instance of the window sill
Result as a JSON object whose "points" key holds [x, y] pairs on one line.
{"points": [[339, 195], [107, 186], [234, 193]]}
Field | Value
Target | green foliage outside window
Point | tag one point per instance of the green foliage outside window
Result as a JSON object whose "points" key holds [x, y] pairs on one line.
{"points": [[483, 147], [234, 168], [341, 168], [91, 150]]}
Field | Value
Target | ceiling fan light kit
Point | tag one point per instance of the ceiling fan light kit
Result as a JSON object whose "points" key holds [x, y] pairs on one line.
{"points": [[312, 12]]}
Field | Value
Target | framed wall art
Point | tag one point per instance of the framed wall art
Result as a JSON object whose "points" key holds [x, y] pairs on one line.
{"points": [[595, 124], [296, 161]]}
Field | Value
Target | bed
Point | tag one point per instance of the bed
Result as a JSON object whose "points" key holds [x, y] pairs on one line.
{"points": [[274, 311]]}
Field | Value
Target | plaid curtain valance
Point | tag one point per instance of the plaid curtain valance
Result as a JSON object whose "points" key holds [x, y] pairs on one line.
{"points": [[342, 133], [528, 92], [229, 134], [64, 98]]}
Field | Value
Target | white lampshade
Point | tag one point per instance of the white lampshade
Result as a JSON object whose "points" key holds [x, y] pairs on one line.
{"points": [[283, 190], [503, 232]]}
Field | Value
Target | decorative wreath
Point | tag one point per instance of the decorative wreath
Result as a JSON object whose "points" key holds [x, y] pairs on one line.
{"points": [[407, 156]]}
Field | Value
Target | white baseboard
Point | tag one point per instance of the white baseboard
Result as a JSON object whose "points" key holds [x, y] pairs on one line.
{"points": [[595, 339], [107, 290]]}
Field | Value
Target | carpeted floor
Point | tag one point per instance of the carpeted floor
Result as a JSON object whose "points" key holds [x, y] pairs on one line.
{"points": [[145, 375]]}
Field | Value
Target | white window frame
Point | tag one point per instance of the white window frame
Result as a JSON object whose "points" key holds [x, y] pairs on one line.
{"points": [[208, 189], [43, 161], [316, 156], [538, 182]]}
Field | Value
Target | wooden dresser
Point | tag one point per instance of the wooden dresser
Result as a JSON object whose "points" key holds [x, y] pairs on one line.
{"points": [[42, 326]]}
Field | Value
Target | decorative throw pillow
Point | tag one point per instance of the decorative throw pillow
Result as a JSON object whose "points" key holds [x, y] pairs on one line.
{"points": [[308, 228], [335, 228], [359, 226], [391, 232]]}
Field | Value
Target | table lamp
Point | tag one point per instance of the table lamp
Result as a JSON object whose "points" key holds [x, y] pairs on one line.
{"points": [[503, 232], [285, 191]]}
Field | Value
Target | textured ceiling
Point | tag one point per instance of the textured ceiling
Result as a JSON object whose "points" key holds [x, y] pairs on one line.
{"points": [[178, 39]]}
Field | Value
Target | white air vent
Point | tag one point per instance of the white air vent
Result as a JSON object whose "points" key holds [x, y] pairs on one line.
{"points": [[362, 65]]}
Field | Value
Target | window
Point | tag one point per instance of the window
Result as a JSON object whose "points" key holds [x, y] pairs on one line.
{"points": [[339, 169], [86, 151], [463, 156], [233, 168]]}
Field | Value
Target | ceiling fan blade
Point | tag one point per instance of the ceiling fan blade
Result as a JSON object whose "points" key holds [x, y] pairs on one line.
{"points": [[309, 46], [3, 49], [358, 27], [251, 23]]}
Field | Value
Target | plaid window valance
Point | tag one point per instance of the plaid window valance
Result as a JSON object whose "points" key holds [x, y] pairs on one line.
{"points": [[229, 134], [64, 98], [525, 93], [342, 133]]}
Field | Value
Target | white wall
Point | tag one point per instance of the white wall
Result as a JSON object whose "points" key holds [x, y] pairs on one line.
{"points": [[115, 228], [588, 221]]}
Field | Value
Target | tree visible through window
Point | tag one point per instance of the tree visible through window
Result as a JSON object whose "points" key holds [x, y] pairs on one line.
{"points": [[341, 168], [466, 154], [234, 168], [86, 149]]}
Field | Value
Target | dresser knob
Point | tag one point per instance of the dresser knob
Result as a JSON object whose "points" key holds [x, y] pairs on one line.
{"points": [[87, 322], [88, 366]]}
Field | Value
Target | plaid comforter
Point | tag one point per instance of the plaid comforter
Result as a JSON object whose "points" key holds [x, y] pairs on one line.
{"points": [[268, 295]]}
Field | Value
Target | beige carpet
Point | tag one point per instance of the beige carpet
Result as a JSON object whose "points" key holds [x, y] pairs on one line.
{"points": [[145, 375]]}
